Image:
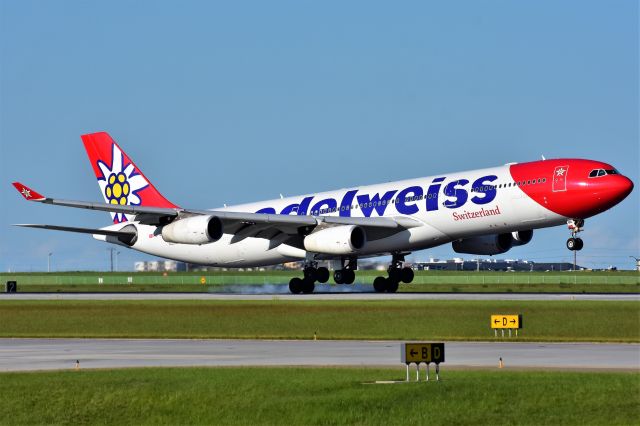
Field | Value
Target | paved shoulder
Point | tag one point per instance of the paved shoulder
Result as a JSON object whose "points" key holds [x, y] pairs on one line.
{"points": [[45, 354], [318, 296]]}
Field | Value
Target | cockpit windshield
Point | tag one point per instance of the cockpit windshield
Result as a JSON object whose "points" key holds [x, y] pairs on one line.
{"points": [[602, 172]]}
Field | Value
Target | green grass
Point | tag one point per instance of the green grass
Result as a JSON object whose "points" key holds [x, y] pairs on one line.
{"points": [[317, 396], [425, 281], [280, 319]]}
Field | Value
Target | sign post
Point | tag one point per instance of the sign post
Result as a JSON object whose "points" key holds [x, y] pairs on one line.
{"points": [[506, 322], [422, 353]]}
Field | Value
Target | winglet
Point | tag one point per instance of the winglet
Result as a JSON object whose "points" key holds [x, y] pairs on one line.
{"points": [[28, 193]]}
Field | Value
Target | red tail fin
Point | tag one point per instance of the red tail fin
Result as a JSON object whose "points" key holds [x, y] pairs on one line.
{"points": [[120, 180]]}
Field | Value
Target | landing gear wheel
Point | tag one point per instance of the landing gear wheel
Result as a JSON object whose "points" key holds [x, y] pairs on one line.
{"points": [[406, 274], [310, 273], [579, 244], [395, 274], [572, 244], [380, 284], [338, 276], [322, 274], [392, 286], [295, 285], [308, 286], [349, 276]]}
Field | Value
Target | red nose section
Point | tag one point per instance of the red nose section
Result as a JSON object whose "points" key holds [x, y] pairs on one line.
{"points": [[569, 187]]}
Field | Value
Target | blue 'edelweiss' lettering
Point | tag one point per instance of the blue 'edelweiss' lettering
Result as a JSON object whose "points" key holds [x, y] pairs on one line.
{"points": [[375, 203], [405, 200]]}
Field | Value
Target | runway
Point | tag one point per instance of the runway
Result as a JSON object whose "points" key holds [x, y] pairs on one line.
{"points": [[53, 354], [319, 296]]}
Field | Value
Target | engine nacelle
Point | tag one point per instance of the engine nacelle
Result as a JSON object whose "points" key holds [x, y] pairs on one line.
{"points": [[484, 245], [193, 230], [346, 239], [521, 238]]}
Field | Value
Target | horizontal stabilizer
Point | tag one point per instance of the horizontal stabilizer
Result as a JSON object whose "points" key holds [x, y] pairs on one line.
{"points": [[79, 230]]}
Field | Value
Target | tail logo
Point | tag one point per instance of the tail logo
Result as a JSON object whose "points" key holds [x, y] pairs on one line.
{"points": [[120, 183]]}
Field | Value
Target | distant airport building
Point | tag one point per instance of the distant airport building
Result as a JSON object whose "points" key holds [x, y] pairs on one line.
{"points": [[459, 264], [160, 266]]}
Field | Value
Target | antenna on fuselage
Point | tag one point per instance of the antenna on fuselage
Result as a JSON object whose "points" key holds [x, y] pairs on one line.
{"points": [[281, 196], [543, 157]]}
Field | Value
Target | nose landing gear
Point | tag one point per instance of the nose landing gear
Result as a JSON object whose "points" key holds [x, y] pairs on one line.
{"points": [[397, 273], [575, 243]]}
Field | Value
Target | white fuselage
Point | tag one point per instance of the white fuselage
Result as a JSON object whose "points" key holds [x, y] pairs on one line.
{"points": [[448, 207]]}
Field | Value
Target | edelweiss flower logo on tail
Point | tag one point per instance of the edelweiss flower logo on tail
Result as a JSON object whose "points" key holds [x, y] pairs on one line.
{"points": [[120, 183]]}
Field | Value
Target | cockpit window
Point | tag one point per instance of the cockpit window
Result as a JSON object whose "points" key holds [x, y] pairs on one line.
{"points": [[601, 172], [612, 172]]}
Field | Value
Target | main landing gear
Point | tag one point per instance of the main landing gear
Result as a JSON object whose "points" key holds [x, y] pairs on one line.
{"points": [[312, 273], [397, 273], [347, 273], [575, 226]]}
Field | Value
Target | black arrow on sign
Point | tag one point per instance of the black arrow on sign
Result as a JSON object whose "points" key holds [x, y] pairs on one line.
{"points": [[495, 321], [413, 352], [513, 321]]}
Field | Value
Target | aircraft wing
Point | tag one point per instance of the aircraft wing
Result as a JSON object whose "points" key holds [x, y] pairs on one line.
{"points": [[123, 235], [241, 224]]}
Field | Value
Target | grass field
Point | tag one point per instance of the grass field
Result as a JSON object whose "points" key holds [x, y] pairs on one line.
{"points": [[280, 319], [326, 396], [425, 281]]}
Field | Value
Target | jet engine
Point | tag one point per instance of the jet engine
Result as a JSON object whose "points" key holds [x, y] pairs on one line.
{"points": [[345, 239], [521, 238], [193, 230], [484, 245]]}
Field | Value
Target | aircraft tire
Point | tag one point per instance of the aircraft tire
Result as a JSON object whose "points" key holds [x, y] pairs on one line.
{"points": [[579, 244], [571, 244], [308, 286], [380, 284], [407, 274], [395, 274], [295, 285], [310, 274], [392, 286], [338, 276], [322, 274], [350, 276]]}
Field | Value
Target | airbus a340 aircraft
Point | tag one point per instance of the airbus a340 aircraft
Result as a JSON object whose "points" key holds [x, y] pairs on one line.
{"points": [[484, 212]]}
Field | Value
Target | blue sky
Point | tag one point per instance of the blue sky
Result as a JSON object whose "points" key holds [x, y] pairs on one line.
{"points": [[230, 102]]}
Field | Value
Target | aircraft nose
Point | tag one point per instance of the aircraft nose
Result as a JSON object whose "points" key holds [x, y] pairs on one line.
{"points": [[623, 187]]}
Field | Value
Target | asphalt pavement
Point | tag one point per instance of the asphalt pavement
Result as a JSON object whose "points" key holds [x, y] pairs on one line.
{"points": [[254, 294], [52, 354]]}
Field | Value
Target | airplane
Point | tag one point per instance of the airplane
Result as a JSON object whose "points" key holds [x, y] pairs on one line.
{"points": [[481, 212]]}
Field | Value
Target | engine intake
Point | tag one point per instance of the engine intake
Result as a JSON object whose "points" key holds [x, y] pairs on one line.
{"points": [[484, 245], [521, 238], [193, 230], [345, 239]]}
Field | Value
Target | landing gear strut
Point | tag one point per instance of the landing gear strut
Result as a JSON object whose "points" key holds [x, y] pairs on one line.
{"points": [[575, 226], [312, 273], [346, 274], [397, 273]]}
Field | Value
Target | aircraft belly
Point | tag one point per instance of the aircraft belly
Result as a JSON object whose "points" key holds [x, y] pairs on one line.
{"points": [[248, 252]]}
